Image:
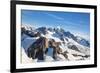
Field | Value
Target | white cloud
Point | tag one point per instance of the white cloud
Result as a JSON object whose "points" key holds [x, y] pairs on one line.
{"points": [[78, 33], [54, 16]]}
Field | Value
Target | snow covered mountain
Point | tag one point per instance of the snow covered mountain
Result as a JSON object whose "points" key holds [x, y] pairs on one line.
{"points": [[77, 48]]}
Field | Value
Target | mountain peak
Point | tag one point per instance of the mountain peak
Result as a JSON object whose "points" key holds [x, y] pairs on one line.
{"points": [[58, 27]]}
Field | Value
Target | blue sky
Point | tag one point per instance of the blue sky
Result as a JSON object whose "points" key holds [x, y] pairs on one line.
{"points": [[75, 22]]}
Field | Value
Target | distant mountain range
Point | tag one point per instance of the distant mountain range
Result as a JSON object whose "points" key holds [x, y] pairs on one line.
{"points": [[61, 33]]}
